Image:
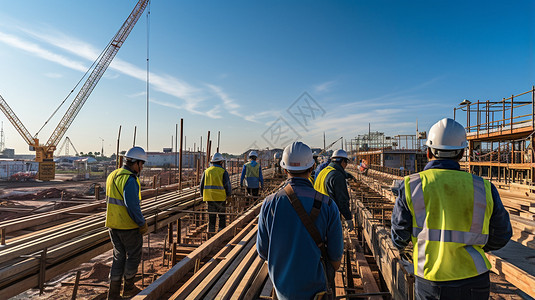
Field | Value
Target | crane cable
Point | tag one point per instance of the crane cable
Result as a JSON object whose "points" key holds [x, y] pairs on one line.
{"points": [[148, 35]]}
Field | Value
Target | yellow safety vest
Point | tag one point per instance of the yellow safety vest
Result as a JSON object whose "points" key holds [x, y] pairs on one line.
{"points": [[213, 189], [117, 216], [319, 184], [451, 212], [251, 171]]}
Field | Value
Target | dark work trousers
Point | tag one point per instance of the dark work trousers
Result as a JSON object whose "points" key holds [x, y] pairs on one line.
{"points": [[475, 288], [215, 207], [253, 192], [127, 245]]}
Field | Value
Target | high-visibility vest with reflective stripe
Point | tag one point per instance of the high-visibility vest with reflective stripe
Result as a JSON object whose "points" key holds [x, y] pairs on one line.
{"points": [[117, 216], [319, 184], [451, 212], [213, 185], [251, 171]]}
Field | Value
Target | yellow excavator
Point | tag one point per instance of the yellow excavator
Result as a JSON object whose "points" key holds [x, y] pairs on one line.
{"points": [[44, 153]]}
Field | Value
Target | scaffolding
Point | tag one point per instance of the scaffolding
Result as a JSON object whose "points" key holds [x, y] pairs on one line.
{"points": [[500, 138]]}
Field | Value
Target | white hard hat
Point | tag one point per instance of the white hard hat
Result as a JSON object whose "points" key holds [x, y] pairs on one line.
{"points": [[253, 154], [136, 153], [277, 155], [447, 134], [340, 153], [217, 157], [297, 157]]}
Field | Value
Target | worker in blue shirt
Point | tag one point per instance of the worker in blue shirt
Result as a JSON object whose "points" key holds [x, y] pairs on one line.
{"points": [[125, 222], [452, 217], [252, 173], [294, 259]]}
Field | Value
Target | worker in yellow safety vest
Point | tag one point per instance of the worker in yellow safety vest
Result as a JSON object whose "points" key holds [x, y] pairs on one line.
{"points": [[125, 222], [331, 181], [452, 218], [215, 188]]}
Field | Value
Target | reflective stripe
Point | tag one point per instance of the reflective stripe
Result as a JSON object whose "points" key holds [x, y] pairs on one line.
{"points": [[116, 201], [417, 196], [479, 262], [421, 257], [453, 236], [480, 205], [214, 187]]}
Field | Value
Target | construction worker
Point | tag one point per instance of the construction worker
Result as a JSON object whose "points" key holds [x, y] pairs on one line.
{"points": [[215, 188], [298, 266], [452, 217], [315, 155], [331, 181], [276, 160], [125, 222], [252, 173]]}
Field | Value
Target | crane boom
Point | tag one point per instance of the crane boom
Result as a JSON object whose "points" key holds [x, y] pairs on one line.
{"points": [[97, 73], [330, 145], [16, 122]]}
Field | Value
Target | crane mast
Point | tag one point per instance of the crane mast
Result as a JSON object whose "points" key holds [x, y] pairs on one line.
{"points": [[44, 154]]}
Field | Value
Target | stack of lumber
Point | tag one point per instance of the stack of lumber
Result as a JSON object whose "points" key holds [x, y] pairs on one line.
{"points": [[30, 260]]}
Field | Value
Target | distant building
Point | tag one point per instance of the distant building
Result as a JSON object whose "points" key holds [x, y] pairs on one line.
{"points": [[170, 159], [10, 167]]}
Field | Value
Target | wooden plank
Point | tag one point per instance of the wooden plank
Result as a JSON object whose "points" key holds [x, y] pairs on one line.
{"points": [[368, 280], [232, 276], [213, 281], [159, 287], [256, 286], [516, 276], [339, 290], [199, 276], [242, 288]]}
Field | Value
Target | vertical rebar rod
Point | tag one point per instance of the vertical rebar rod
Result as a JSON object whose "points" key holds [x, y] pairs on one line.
{"points": [[180, 155]]}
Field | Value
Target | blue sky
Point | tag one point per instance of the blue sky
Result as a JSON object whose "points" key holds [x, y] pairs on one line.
{"points": [[251, 68]]}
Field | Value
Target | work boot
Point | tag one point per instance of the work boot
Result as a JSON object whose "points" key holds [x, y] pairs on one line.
{"points": [[114, 293], [130, 289]]}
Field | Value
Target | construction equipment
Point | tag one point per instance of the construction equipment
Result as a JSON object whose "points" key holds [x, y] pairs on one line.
{"points": [[65, 144], [44, 153], [329, 146]]}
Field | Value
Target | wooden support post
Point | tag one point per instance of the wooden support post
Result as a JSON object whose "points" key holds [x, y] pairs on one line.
{"points": [[42, 270], [97, 192], [207, 151], [3, 236], [173, 254], [76, 284], [170, 233], [180, 155], [179, 231]]}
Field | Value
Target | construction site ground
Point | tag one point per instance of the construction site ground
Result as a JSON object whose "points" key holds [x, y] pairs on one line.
{"points": [[32, 197]]}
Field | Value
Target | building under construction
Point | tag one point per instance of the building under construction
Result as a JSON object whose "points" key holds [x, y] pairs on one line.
{"points": [[500, 137], [400, 154]]}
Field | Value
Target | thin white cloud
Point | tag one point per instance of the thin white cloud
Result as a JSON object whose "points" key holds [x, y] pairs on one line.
{"points": [[53, 75], [175, 87], [38, 51], [229, 104], [324, 87]]}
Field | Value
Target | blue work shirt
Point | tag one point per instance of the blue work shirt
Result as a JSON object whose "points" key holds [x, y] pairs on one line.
{"points": [[131, 198], [500, 230], [252, 182], [322, 166], [292, 255]]}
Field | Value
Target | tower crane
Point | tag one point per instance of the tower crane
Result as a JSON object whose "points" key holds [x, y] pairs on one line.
{"points": [[44, 153], [329, 146], [65, 144]]}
